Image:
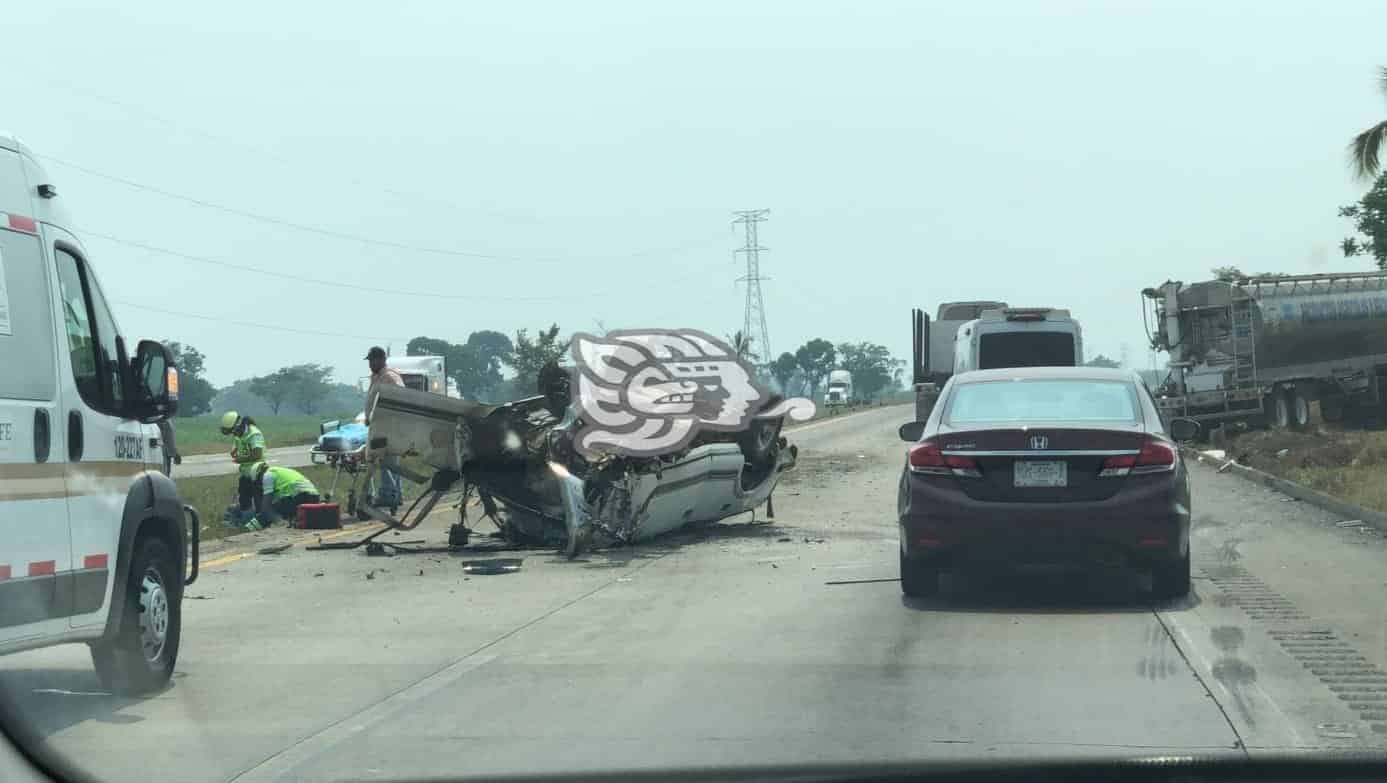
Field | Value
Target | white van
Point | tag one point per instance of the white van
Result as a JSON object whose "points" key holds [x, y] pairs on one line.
{"points": [[93, 537], [1018, 337]]}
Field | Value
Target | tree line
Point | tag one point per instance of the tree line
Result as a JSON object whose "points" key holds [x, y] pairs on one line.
{"points": [[491, 366]]}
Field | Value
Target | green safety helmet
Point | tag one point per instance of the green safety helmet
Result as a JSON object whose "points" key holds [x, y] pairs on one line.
{"points": [[229, 420]]}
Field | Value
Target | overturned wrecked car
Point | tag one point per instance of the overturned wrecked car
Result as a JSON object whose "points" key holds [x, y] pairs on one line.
{"points": [[523, 461]]}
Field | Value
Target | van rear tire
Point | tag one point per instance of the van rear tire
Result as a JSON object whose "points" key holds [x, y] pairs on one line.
{"points": [[140, 657]]}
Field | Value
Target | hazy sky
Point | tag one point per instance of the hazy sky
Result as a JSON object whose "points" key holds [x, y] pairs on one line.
{"points": [[1062, 154]]}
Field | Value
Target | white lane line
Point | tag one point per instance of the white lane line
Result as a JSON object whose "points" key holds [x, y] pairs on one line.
{"points": [[280, 765]]}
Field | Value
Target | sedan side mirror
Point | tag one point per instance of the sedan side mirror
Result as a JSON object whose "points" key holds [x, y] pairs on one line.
{"points": [[912, 431], [1183, 430], [156, 382]]}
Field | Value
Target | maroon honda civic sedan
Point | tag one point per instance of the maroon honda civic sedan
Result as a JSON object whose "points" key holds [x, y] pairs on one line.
{"points": [[1066, 465]]}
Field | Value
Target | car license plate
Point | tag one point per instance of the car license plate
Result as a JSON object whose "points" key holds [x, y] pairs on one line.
{"points": [[1036, 473]]}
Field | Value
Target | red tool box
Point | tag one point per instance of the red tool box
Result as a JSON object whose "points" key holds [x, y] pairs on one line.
{"points": [[319, 516]]}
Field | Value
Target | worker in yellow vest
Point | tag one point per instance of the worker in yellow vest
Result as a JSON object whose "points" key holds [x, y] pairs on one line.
{"points": [[281, 492], [247, 450]]}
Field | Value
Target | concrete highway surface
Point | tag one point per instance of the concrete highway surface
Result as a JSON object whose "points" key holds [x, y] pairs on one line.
{"points": [[195, 465], [766, 643]]}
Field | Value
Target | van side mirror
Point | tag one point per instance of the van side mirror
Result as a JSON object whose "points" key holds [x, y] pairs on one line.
{"points": [[156, 383], [1183, 430], [912, 431]]}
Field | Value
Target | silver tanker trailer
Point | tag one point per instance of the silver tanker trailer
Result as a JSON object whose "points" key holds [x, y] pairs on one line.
{"points": [[1261, 349]]}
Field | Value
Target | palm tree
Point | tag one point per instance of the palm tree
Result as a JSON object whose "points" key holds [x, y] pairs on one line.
{"points": [[741, 345], [1364, 148]]}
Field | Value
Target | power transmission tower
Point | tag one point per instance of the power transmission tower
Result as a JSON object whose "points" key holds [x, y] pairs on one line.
{"points": [[754, 316]]}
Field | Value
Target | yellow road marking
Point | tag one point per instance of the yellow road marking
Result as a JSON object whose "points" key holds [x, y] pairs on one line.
{"points": [[225, 560], [306, 539]]}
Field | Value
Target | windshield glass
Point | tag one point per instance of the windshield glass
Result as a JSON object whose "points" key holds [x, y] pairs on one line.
{"points": [[1042, 400]]}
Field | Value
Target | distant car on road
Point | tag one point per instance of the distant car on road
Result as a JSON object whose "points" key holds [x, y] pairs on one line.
{"points": [[1045, 465]]}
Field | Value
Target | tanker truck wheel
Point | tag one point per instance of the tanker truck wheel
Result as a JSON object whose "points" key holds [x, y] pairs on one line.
{"points": [[1300, 409], [1279, 409]]}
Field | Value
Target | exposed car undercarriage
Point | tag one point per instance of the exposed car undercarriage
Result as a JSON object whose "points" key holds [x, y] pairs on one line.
{"points": [[520, 461]]}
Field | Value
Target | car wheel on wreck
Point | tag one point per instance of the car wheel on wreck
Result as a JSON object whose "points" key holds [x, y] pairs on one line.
{"points": [[758, 440]]}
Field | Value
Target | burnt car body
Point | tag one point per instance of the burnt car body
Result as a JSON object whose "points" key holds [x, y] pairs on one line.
{"points": [[519, 459], [1067, 465]]}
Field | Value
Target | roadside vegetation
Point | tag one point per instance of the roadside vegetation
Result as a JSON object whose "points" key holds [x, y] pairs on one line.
{"points": [[210, 495], [200, 434], [1348, 464]]}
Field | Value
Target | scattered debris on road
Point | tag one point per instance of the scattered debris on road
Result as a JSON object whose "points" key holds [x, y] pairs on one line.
{"points": [[501, 565], [1350, 523], [784, 540], [274, 550], [863, 581], [317, 573]]}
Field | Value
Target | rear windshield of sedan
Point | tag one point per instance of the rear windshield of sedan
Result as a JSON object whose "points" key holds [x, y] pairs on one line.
{"points": [[1042, 400]]}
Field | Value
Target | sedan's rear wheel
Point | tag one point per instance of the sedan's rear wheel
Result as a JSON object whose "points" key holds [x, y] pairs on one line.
{"points": [[1171, 579], [918, 580]]}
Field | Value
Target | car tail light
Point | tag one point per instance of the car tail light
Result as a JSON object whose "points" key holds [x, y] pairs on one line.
{"points": [[1156, 456], [927, 459]]}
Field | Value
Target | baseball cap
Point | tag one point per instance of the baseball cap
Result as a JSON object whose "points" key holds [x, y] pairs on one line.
{"points": [[375, 351]]}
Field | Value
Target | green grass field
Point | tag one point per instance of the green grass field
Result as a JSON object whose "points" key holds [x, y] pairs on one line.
{"points": [[200, 434]]}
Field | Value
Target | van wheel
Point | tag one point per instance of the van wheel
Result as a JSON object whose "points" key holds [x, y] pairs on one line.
{"points": [[139, 659]]}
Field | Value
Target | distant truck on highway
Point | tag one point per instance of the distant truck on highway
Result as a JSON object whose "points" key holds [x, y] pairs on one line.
{"points": [[421, 373], [1258, 350], [838, 393], [986, 335]]}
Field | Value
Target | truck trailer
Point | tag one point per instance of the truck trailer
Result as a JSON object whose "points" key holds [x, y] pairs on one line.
{"points": [[1258, 350]]}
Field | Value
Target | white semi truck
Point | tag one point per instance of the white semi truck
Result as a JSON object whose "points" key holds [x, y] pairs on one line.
{"points": [[838, 392]]}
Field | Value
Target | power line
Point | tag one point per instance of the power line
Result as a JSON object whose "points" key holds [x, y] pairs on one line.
{"points": [[252, 148], [253, 325], [320, 281], [270, 219], [358, 237]]}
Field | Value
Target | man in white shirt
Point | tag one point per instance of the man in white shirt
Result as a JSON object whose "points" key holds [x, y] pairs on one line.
{"points": [[389, 494]]}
